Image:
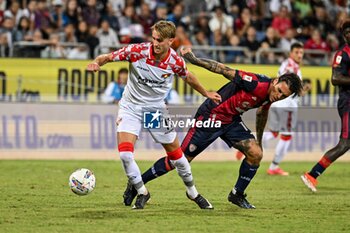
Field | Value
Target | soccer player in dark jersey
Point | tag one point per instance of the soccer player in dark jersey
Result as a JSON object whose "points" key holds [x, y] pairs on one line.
{"points": [[244, 91], [340, 78]]}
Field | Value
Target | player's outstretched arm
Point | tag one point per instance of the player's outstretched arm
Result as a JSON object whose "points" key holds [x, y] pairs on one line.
{"points": [[338, 79], [195, 84], [208, 64], [99, 61], [261, 119]]}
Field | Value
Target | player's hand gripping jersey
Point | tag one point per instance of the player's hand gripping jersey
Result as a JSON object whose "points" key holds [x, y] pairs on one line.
{"points": [[150, 80]]}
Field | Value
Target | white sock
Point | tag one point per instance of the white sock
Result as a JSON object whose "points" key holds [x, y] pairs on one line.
{"points": [[281, 151], [183, 168], [142, 190], [192, 191], [131, 169]]}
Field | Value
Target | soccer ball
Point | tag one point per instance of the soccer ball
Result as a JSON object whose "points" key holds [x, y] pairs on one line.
{"points": [[82, 181]]}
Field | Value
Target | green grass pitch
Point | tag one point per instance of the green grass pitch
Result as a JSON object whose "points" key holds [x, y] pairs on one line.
{"points": [[35, 197]]}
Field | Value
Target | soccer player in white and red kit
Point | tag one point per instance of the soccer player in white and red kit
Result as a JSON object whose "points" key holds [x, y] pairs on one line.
{"points": [[152, 69], [283, 114]]}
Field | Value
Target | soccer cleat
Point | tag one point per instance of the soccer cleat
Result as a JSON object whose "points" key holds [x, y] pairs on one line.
{"points": [[239, 155], [201, 202], [277, 172], [141, 200], [129, 194], [240, 200], [309, 181]]}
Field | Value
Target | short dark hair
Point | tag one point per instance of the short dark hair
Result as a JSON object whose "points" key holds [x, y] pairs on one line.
{"points": [[345, 25], [293, 81], [296, 45], [123, 70]]}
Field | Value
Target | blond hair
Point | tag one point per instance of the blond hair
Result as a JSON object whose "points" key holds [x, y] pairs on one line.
{"points": [[166, 29]]}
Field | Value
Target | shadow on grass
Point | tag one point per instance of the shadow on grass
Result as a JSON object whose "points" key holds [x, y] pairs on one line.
{"points": [[326, 191], [124, 212]]}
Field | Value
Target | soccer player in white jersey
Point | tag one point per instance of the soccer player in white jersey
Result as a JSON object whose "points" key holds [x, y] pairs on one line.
{"points": [[152, 68], [283, 114]]}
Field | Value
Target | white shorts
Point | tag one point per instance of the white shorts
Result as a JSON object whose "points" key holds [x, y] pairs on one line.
{"points": [[131, 119], [282, 119]]}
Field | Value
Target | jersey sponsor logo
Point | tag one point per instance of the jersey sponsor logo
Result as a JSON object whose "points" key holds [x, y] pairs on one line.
{"points": [[338, 59], [150, 83], [247, 78], [142, 68]]}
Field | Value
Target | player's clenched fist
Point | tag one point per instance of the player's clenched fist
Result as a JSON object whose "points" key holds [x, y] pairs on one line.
{"points": [[93, 66]]}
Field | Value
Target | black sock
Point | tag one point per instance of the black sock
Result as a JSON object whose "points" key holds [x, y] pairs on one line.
{"points": [[159, 168], [246, 174], [317, 170], [320, 167]]}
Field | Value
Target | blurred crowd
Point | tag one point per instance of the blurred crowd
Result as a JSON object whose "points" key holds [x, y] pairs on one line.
{"points": [[53, 25]]}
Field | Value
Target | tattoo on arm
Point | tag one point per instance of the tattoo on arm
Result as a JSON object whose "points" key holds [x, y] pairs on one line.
{"points": [[211, 65]]}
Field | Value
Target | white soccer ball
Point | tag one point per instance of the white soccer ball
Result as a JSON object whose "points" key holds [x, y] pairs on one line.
{"points": [[82, 181]]}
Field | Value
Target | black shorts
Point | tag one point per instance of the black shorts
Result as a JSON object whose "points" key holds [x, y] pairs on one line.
{"points": [[344, 113], [198, 139]]}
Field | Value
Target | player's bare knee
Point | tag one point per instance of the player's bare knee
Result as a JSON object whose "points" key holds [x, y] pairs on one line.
{"points": [[254, 155], [171, 146]]}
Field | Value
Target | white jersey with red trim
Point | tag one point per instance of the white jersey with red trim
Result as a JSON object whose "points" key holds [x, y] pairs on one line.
{"points": [[289, 66], [149, 80]]}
